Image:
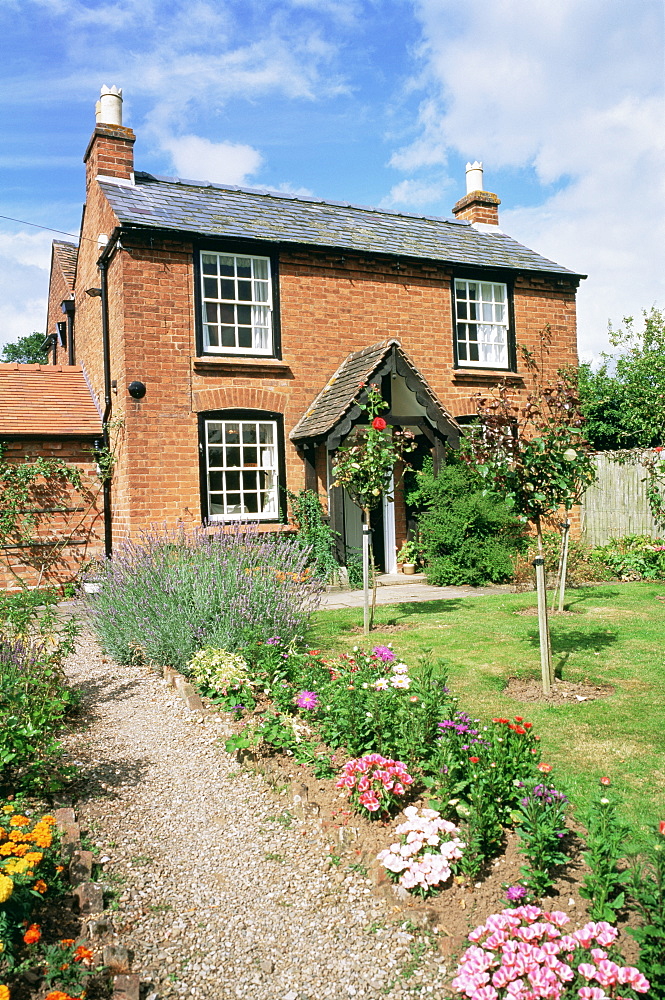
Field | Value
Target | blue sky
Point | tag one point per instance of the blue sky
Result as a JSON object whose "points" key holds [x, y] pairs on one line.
{"points": [[375, 102]]}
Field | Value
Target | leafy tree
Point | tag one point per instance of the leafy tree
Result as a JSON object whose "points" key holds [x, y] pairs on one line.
{"points": [[623, 401], [28, 350], [470, 534], [536, 456]]}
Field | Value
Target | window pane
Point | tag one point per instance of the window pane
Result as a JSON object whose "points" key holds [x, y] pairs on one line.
{"points": [[245, 291], [228, 314], [216, 480], [226, 265], [210, 288], [251, 503], [267, 458], [215, 458], [214, 433], [473, 352], [249, 433], [260, 291], [244, 315], [212, 315], [217, 504], [233, 480], [472, 290], [265, 434], [250, 456], [228, 290], [228, 336], [209, 263], [260, 268], [261, 339], [233, 503], [245, 337], [244, 267], [233, 458], [249, 481], [232, 433], [212, 333]]}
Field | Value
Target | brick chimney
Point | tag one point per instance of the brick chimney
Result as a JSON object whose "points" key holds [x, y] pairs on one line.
{"points": [[110, 152], [477, 205]]}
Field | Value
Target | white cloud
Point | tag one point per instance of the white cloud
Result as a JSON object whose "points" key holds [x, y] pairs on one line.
{"points": [[24, 265], [222, 162], [412, 194], [573, 94]]}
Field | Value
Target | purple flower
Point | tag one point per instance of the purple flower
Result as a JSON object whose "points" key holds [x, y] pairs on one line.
{"points": [[384, 653], [515, 893], [275, 641], [307, 699]]}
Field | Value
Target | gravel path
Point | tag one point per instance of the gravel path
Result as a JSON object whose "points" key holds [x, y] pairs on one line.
{"points": [[220, 891]]}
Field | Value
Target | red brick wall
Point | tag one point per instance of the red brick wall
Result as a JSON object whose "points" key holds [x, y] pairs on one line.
{"points": [[329, 308], [80, 525], [58, 290]]}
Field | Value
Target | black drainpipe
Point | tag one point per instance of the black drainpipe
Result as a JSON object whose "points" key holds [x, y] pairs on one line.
{"points": [[103, 264]]}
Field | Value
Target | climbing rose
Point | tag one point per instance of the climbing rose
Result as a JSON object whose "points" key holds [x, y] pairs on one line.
{"points": [[379, 424]]}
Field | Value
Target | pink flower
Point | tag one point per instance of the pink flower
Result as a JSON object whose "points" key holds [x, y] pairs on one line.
{"points": [[633, 977], [586, 970]]}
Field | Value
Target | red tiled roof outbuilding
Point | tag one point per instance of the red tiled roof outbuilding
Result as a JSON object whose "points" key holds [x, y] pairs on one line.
{"points": [[46, 401]]}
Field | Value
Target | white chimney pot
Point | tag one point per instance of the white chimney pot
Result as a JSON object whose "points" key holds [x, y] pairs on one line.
{"points": [[110, 106], [474, 177]]}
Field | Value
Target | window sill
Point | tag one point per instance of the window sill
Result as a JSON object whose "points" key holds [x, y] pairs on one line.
{"points": [[485, 375], [236, 364]]}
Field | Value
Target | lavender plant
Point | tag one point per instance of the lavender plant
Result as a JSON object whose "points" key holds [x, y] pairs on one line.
{"points": [[173, 591]]}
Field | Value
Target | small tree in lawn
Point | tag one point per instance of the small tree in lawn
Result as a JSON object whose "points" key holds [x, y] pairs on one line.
{"points": [[537, 457], [364, 465]]}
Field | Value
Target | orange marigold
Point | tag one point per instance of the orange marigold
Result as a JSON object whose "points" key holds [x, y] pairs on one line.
{"points": [[20, 850], [67, 942], [4, 992], [40, 885], [59, 995], [33, 934], [19, 820], [7, 848], [83, 954], [34, 857]]}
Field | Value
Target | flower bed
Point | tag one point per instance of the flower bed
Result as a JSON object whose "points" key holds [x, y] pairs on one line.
{"points": [[499, 829]]}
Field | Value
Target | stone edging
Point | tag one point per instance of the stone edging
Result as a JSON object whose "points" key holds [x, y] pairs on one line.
{"points": [[89, 896]]}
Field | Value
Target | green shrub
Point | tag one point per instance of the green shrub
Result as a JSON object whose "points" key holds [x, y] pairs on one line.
{"points": [[470, 536], [314, 534], [34, 695], [168, 594], [633, 557]]}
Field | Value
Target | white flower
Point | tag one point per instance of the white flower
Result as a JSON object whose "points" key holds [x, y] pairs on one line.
{"points": [[381, 684], [400, 668], [397, 681]]}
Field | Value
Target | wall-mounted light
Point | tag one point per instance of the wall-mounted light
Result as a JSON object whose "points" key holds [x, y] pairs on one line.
{"points": [[94, 293], [136, 390]]}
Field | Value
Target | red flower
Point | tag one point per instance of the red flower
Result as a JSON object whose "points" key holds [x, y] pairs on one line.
{"points": [[605, 781], [518, 718], [474, 760], [659, 448], [33, 934], [379, 424], [661, 827], [545, 768], [528, 725]]}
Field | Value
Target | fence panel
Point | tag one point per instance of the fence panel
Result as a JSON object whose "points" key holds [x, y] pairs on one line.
{"points": [[616, 504]]}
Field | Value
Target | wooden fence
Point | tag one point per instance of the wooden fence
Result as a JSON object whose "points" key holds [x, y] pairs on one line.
{"points": [[616, 504]]}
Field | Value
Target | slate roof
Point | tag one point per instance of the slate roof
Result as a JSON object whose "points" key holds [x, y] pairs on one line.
{"points": [[66, 254], [336, 407], [217, 210], [46, 401]]}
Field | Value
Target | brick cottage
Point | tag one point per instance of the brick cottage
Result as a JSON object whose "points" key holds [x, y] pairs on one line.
{"points": [[224, 333]]}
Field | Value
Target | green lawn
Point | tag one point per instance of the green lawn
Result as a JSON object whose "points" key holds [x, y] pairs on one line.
{"points": [[615, 636]]}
